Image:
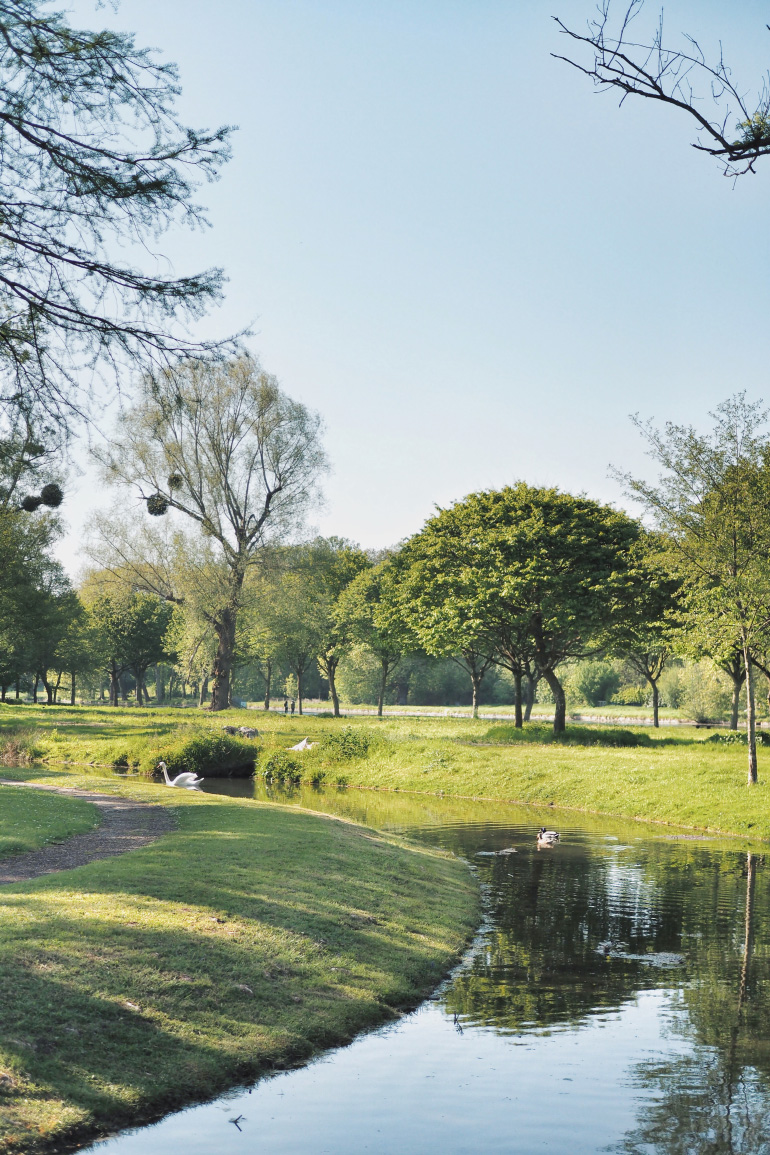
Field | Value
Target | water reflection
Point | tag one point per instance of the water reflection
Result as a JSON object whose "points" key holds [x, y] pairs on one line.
{"points": [[616, 1000]]}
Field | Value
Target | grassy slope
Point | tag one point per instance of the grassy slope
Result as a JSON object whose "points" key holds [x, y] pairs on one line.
{"points": [[30, 818], [122, 984]]}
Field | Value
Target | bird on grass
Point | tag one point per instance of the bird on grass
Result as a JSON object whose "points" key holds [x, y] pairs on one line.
{"points": [[188, 780], [547, 837]]}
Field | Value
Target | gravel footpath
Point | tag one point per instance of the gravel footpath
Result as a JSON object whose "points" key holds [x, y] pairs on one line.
{"points": [[124, 826]]}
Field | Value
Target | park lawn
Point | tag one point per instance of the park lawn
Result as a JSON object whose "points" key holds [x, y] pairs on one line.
{"points": [[246, 941], [31, 818]]}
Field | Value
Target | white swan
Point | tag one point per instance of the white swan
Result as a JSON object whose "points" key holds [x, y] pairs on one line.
{"points": [[187, 780], [304, 745]]}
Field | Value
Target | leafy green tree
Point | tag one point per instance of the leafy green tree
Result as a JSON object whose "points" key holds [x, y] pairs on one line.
{"points": [[367, 613], [538, 573], [712, 503], [333, 564], [92, 158], [132, 630], [644, 633], [436, 598], [224, 447]]}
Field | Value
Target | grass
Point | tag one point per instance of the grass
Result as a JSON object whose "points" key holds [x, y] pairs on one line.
{"points": [[247, 940], [31, 818]]}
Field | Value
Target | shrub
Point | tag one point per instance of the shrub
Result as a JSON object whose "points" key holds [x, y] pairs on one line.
{"points": [[631, 695], [347, 744], [203, 754], [572, 736], [706, 693], [739, 738], [282, 766], [593, 682]]}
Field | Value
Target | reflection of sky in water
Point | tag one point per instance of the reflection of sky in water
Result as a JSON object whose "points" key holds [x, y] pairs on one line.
{"points": [[540, 1042]]}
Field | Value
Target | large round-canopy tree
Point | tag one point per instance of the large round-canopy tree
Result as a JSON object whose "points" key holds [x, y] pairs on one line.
{"points": [[526, 574], [222, 445]]}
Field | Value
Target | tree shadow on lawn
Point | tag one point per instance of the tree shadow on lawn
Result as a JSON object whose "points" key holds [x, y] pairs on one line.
{"points": [[126, 996]]}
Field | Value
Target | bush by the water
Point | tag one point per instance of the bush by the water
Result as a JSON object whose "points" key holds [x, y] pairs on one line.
{"points": [[346, 745], [572, 736], [738, 738], [203, 754], [282, 766]]}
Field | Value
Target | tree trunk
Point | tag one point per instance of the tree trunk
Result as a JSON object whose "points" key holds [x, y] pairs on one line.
{"points": [[16, 688], [204, 689], [383, 684], [72, 689], [655, 703], [159, 691], [331, 674], [223, 662], [56, 688], [530, 697], [268, 680], [138, 690], [113, 683], [735, 703], [560, 702], [48, 690], [34, 692], [517, 700], [751, 725], [299, 691], [476, 679]]}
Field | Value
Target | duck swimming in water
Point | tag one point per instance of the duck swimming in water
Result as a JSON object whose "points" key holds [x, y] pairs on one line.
{"points": [[547, 837]]}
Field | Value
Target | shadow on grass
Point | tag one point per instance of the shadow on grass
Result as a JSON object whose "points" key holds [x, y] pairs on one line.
{"points": [[249, 939]]}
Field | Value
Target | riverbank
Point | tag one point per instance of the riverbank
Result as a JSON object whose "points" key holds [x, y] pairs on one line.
{"points": [[246, 941], [680, 776]]}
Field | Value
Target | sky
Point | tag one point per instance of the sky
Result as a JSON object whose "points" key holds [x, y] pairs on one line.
{"points": [[445, 241]]}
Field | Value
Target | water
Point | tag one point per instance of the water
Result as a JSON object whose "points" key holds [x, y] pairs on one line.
{"points": [[615, 1000]]}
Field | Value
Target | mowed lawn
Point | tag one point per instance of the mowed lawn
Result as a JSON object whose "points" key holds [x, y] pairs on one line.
{"points": [[247, 940]]}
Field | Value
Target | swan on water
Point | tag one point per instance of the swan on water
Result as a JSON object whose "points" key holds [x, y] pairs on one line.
{"points": [[187, 780], [547, 837]]}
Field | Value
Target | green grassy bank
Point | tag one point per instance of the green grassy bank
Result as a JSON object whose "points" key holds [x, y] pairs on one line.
{"points": [[247, 940], [679, 776]]}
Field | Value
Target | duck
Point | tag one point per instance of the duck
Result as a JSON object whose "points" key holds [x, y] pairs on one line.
{"points": [[187, 781], [547, 837]]}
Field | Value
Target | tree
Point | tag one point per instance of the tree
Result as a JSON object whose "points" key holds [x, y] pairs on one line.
{"points": [[92, 157], [223, 446], [712, 503], [435, 595], [643, 631], [132, 628], [333, 564], [367, 613], [675, 77], [539, 573]]}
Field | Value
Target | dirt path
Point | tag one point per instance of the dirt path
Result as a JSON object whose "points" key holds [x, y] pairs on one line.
{"points": [[124, 826]]}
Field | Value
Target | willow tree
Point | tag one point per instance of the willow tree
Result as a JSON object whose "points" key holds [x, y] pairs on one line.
{"points": [[224, 447]]}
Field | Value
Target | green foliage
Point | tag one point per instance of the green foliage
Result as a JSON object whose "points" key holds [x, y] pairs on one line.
{"points": [[594, 682], [738, 738], [631, 695], [282, 766], [347, 744], [705, 693], [572, 736], [202, 754]]}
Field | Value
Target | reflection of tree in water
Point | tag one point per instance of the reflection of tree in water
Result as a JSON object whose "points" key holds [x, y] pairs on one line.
{"points": [[716, 1100], [541, 964]]}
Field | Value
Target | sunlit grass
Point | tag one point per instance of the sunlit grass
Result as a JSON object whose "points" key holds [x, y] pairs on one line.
{"points": [[31, 818], [249, 939]]}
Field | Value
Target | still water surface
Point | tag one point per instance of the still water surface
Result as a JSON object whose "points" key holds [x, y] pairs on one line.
{"points": [[616, 1000]]}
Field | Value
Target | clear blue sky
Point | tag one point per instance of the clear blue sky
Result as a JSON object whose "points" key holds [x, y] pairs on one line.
{"points": [[473, 265]]}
